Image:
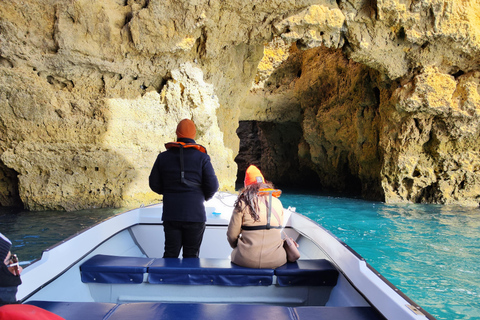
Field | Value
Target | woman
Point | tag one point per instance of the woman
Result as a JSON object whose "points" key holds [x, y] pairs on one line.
{"points": [[255, 244]]}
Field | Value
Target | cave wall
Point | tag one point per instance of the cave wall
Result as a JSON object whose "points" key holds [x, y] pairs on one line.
{"points": [[339, 104], [431, 140], [391, 109], [385, 93], [91, 91], [9, 186]]}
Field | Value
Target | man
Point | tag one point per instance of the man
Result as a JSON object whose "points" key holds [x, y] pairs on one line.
{"points": [[186, 178], [9, 275], [10, 271]]}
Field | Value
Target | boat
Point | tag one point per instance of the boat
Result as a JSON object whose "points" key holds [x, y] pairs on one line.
{"points": [[114, 270]]}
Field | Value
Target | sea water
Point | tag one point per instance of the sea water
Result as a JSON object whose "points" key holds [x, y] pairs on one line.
{"points": [[430, 252]]}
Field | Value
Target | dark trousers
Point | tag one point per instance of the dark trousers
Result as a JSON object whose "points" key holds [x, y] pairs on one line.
{"points": [[184, 234]]}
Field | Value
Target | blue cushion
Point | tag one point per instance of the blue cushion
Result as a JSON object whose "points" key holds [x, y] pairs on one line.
{"points": [[200, 311], [328, 313], [114, 269], [188, 311], [194, 271], [77, 310], [318, 272]]}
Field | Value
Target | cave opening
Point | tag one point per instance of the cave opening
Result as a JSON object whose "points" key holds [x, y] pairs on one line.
{"points": [[274, 149], [314, 124], [9, 193], [278, 150]]}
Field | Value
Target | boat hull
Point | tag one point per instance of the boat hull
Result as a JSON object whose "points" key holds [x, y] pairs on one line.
{"points": [[56, 277]]}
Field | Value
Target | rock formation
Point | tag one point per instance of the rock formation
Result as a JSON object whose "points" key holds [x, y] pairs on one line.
{"points": [[376, 97], [390, 110]]}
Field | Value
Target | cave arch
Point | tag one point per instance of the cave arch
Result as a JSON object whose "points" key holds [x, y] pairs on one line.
{"points": [[274, 149], [315, 121], [9, 194]]}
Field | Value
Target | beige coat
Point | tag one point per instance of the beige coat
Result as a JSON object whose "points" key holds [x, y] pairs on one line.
{"points": [[257, 248]]}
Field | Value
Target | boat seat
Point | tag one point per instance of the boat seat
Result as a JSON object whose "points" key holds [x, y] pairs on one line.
{"points": [[201, 311], [188, 271], [200, 271], [114, 269], [316, 272]]}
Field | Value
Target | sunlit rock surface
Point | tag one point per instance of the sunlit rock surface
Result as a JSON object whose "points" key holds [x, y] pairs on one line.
{"points": [[378, 98]]}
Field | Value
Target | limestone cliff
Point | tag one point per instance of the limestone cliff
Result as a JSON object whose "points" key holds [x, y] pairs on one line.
{"points": [[391, 109], [382, 96]]}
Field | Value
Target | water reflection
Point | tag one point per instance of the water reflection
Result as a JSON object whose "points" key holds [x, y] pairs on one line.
{"points": [[33, 232]]}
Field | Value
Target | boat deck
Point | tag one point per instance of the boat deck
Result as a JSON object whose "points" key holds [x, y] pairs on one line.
{"points": [[200, 311], [114, 271]]}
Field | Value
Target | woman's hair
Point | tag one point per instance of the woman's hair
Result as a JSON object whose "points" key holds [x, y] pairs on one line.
{"points": [[249, 195]]}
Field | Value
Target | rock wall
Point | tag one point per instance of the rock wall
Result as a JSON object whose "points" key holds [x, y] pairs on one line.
{"points": [[431, 140], [385, 94], [338, 103], [389, 111]]}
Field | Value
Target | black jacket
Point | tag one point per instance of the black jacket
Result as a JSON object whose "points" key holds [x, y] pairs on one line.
{"points": [[8, 285], [182, 202]]}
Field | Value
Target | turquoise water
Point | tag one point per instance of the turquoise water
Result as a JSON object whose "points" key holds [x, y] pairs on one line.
{"points": [[429, 252]]}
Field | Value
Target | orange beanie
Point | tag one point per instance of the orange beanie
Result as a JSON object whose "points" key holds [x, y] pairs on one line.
{"points": [[253, 175], [186, 129]]}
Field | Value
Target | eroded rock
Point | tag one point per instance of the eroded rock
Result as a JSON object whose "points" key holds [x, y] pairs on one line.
{"points": [[385, 93]]}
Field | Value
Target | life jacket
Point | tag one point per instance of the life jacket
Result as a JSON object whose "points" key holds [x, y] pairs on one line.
{"points": [[267, 192], [181, 146]]}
